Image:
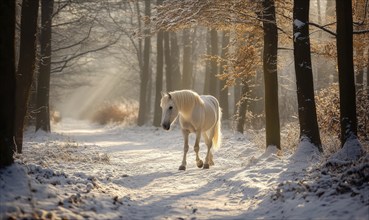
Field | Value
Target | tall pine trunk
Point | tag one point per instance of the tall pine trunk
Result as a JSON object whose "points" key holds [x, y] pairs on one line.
{"points": [[322, 80], [7, 81], [142, 112], [213, 88], [346, 76], [223, 96], [159, 77], [304, 74], [175, 61], [236, 96], [207, 64], [187, 60], [168, 62], [43, 85], [256, 102], [26, 66], [242, 107], [272, 126]]}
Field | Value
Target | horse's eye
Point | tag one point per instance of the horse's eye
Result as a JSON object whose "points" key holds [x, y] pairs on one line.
{"points": [[170, 107]]}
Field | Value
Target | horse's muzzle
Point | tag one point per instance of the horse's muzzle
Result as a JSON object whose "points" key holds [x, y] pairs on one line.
{"points": [[166, 126]]}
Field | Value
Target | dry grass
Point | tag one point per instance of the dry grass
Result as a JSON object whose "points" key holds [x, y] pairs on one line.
{"points": [[121, 113], [327, 103], [289, 137]]}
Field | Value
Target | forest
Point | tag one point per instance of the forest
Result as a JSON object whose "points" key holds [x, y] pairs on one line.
{"points": [[88, 87]]}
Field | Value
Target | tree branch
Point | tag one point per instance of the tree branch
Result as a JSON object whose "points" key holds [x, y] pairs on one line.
{"points": [[323, 28], [67, 60], [75, 44], [66, 3], [360, 32], [285, 48], [69, 22]]}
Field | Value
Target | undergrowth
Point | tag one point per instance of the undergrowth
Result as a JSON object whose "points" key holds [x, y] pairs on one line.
{"points": [[327, 104], [328, 114], [125, 112]]}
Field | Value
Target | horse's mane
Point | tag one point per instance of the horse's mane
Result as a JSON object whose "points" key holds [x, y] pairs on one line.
{"points": [[185, 100]]}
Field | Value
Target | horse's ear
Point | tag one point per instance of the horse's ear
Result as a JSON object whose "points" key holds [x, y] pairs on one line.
{"points": [[170, 96], [162, 93]]}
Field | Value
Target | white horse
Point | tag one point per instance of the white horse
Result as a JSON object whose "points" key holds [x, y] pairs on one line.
{"points": [[197, 114]]}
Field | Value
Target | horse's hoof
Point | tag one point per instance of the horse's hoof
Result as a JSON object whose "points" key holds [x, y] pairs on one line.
{"points": [[182, 167], [206, 166], [199, 163], [211, 163]]}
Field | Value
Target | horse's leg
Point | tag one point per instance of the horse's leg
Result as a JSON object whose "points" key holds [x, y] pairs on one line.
{"points": [[210, 138], [209, 144], [199, 162], [185, 149], [211, 162]]}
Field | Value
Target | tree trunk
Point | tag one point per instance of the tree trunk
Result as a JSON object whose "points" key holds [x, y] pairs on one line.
{"points": [[304, 75], [242, 107], [272, 126], [142, 116], [26, 66], [174, 55], [257, 103], [346, 76], [43, 85], [207, 65], [213, 88], [168, 62], [194, 58], [223, 96], [139, 40], [237, 96], [322, 78], [149, 93], [187, 60], [159, 77], [7, 81]]}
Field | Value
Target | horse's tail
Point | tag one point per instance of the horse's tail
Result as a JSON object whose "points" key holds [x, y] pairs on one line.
{"points": [[217, 138]]}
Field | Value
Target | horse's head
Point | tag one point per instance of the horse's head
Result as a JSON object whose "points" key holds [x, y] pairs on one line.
{"points": [[169, 109]]}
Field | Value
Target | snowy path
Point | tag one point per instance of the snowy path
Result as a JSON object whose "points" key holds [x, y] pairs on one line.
{"points": [[154, 188], [87, 171]]}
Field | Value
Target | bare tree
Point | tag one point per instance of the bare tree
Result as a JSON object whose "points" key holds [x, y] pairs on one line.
{"points": [[145, 74], [346, 70], [187, 60], [272, 126], [159, 74], [207, 64], [175, 61], [43, 85], [7, 81], [242, 104], [168, 62], [223, 96], [26, 65], [322, 75], [213, 88], [304, 76]]}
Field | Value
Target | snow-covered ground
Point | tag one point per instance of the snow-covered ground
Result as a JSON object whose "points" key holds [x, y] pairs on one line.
{"points": [[88, 171]]}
